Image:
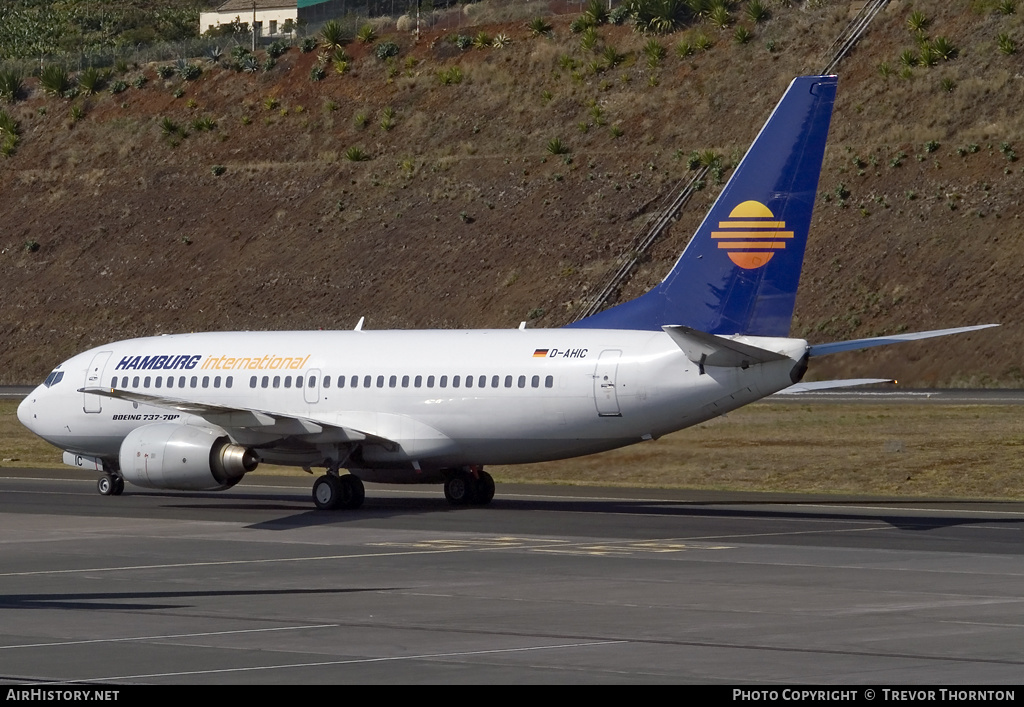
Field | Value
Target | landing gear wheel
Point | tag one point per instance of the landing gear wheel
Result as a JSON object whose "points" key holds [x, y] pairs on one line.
{"points": [[118, 486], [327, 492], [460, 488], [353, 492], [484, 489], [106, 485]]}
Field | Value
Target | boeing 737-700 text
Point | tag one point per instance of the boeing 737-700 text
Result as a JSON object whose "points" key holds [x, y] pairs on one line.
{"points": [[199, 411]]}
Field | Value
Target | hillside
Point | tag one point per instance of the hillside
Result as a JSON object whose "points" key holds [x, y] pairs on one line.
{"points": [[461, 217]]}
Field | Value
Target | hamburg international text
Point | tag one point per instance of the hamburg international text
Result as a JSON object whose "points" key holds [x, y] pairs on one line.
{"points": [[197, 412]]}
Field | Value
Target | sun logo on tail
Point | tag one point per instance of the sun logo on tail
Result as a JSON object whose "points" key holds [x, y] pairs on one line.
{"points": [[751, 235]]}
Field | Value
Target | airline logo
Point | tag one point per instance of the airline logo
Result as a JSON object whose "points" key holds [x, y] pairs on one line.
{"points": [[751, 235]]}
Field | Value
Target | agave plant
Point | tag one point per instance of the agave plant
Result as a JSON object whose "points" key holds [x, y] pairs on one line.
{"points": [[90, 81], [54, 80], [332, 36], [596, 12], [482, 40], [214, 54], [757, 12], [662, 16], [385, 50], [317, 73], [367, 34], [588, 39], [539, 26], [944, 48], [557, 147], [356, 154], [12, 87], [501, 40]]}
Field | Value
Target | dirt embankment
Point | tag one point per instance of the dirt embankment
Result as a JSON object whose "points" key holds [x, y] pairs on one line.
{"points": [[460, 216]]}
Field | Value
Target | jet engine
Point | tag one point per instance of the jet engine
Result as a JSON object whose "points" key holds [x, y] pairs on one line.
{"points": [[183, 458]]}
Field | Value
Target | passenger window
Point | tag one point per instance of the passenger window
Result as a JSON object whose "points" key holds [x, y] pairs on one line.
{"points": [[380, 381], [277, 381], [494, 381], [535, 382], [159, 380], [392, 381], [170, 381], [522, 381], [418, 382], [299, 381], [355, 382], [145, 382], [113, 382], [181, 382], [252, 382], [124, 382], [327, 382], [508, 381], [469, 381], [443, 382], [287, 381], [549, 381], [367, 381], [216, 381], [482, 382], [265, 382], [194, 383], [405, 381], [135, 382], [430, 381], [455, 381], [206, 381]]}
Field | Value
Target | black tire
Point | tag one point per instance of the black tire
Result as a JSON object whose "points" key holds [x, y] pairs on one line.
{"points": [[327, 492], [118, 486], [106, 485], [484, 489], [460, 488], [355, 492]]}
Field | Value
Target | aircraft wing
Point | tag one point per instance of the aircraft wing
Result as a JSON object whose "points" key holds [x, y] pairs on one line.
{"points": [[248, 419], [855, 344]]}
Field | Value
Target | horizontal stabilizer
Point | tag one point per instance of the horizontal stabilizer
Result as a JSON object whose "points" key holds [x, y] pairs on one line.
{"points": [[711, 350], [855, 344], [815, 386]]}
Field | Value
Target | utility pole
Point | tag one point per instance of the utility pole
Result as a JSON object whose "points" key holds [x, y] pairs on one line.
{"points": [[253, 26]]}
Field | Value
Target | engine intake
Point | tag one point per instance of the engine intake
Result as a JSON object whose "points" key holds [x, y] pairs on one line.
{"points": [[183, 458]]}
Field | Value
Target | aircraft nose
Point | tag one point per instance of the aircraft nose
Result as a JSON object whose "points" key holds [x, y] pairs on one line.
{"points": [[26, 413]]}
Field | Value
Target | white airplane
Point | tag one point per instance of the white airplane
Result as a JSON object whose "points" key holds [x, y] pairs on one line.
{"points": [[199, 411]]}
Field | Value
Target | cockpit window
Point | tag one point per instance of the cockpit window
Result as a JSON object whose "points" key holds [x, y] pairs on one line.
{"points": [[53, 379]]}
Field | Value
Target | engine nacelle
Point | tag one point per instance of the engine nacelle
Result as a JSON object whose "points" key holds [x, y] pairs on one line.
{"points": [[183, 458]]}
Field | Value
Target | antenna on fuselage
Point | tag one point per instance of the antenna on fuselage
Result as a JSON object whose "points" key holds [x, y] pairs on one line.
{"points": [[359, 326]]}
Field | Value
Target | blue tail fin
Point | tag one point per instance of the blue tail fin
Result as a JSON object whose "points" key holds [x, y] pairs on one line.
{"points": [[740, 271]]}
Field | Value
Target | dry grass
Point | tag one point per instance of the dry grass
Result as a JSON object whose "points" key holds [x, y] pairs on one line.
{"points": [[892, 450]]}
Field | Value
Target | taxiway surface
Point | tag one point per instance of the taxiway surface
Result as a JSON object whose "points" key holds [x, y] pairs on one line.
{"points": [[546, 585]]}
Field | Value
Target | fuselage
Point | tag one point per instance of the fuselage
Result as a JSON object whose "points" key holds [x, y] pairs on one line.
{"points": [[437, 398]]}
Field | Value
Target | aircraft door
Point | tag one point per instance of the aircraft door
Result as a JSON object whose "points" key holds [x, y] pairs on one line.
{"points": [[311, 391], [94, 379], [605, 394]]}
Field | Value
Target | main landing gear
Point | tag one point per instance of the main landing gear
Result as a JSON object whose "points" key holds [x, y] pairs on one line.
{"points": [[331, 491], [110, 485], [468, 488]]}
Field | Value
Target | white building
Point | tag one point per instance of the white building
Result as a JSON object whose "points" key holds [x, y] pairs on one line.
{"points": [[268, 16]]}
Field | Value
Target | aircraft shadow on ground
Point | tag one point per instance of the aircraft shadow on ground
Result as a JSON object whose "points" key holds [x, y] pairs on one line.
{"points": [[140, 601]]}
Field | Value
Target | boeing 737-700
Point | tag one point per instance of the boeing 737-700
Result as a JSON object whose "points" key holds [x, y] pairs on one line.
{"points": [[199, 411]]}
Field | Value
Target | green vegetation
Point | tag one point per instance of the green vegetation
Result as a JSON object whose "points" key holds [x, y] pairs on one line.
{"points": [[386, 50], [1007, 45], [661, 16], [332, 36], [356, 154], [9, 134], [35, 28], [557, 147], [539, 26], [54, 80], [12, 87], [917, 22], [757, 12], [367, 34], [91, 81]]}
